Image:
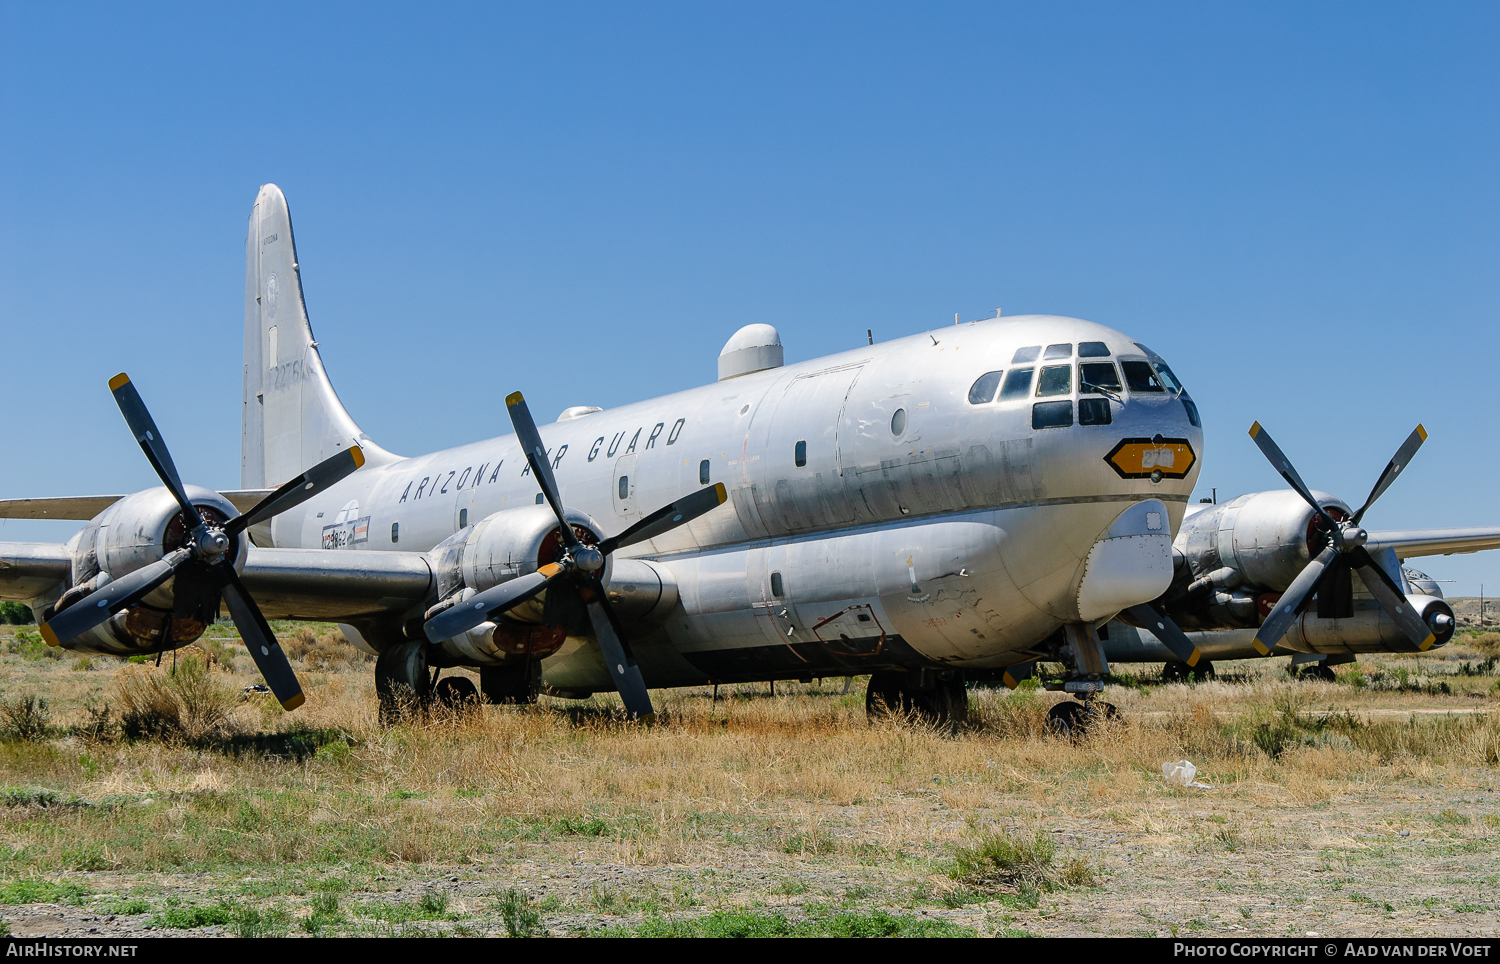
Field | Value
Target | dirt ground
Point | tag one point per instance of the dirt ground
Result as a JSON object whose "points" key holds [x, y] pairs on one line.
{"points": [[1362, 807]]}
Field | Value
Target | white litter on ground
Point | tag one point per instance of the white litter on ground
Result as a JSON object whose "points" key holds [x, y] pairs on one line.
{"points": [[1181, 774]]}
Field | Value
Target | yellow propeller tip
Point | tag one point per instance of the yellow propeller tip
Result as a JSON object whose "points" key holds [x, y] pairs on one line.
{"points": [[513, 399], [722, 492], [49, 635], [118, 380], [1255, 430], [1193, 659], [292, 702], [1009, 681], [1427, 643], [359, 456], [1261, 648], [1422, 432]]}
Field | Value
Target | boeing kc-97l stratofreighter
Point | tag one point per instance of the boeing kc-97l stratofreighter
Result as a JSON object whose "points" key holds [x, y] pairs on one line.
{"points": [[958, 502]]}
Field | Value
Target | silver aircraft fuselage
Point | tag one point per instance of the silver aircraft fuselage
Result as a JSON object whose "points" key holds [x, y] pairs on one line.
{"points": [[876, 514]]}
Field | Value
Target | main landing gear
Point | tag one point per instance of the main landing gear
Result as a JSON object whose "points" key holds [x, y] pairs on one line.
{"points": [[1175, 672], [933, 696], [404, 683]]}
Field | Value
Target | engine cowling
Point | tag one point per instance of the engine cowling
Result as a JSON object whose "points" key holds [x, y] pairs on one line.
{"points": [[516, 542], [1265, 537], [132, 533]]}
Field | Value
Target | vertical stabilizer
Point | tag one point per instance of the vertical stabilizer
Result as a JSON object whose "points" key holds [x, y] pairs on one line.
{"points": [[292, 417]]}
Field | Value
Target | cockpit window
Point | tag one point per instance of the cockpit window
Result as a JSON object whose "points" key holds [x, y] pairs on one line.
{"points": [[1055, 380], [1140, 377], [1093, 349], [1026, 354], [1058, 351], [1096, 375], [1017, 384], [1167, 378], [984, 387]]}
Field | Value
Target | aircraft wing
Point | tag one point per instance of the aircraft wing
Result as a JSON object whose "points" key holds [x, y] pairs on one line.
{"points": [[337, 585], [30, 569], [1435, 542], [82, 508]]}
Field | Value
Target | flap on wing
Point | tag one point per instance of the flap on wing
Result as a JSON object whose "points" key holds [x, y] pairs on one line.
{"points": [[30, 569], [338, 585], [1409, 543], [80, 508]]}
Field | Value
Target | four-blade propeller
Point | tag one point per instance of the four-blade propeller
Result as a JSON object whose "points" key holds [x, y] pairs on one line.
{"points": [[580, 564], [1346, 548], [203, 566]]}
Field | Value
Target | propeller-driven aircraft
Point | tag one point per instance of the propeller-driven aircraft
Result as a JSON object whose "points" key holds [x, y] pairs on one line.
{"points": [[954, 504]]}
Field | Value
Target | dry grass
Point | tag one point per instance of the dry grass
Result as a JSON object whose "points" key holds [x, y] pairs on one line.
{"points": [[752, 789]]}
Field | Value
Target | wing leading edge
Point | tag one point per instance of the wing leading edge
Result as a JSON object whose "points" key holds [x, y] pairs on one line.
{"points": [[1409, 543]]}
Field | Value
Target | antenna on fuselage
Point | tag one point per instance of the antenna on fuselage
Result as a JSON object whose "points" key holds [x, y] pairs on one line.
{"points": [[870, 334]]}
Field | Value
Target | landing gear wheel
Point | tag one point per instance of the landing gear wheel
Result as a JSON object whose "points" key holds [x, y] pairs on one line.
{"points": [[1320, 672], [509, 685], [456, 693], [402, 681], [943, 702], [1066, 719], [1076, 720], [1174, 672]]}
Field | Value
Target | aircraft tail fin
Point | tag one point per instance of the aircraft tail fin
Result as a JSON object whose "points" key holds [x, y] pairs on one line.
{"points": [[293, 419]]}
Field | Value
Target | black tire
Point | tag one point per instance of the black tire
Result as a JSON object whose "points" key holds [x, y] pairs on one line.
{"points": [[1173, 672], [1065, 719], [511, 685], [883, 697], [456, 693], [892, 693], [402, 681]]}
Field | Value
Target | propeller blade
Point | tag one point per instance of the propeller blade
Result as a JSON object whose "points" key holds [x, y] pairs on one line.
{"points": [[536, 456], [109, 599], [310, 483], [459, 619], [1170, 634], [617, 655], [149, 437], [1017, 674], [259, 640], [1293, 602], [1393, 468], [1392, 600], [1283, 465], [668, 517]]}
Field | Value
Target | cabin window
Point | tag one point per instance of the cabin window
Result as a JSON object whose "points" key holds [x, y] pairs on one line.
{"points": [[1094, 411], [539, 497], [1093, 349], [776, 584], [1192, 411], [1140, 377], [898, 422], [1055, 380], [624, 488], [1097, 375], [463, 518], [1027, 354], [1052, 415], [703, 472], [1058, 351], [1017, 384], [801, 453], [984, 387], [395, 532]]}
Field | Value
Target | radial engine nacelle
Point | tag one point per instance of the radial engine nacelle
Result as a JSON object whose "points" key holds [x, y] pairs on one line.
{"points": [[131, 534], [1232, 562], [512, 543]]}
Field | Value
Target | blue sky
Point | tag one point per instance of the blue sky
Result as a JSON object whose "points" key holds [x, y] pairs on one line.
{"points": [[1296, 204]]}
